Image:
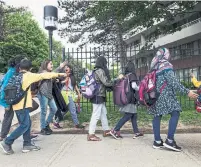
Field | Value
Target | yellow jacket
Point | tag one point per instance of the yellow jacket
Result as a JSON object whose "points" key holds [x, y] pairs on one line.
{"points": [[27, 79], [195, 82]]}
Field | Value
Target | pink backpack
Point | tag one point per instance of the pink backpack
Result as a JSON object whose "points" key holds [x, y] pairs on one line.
{"points": [[148, 94], [123, 93]]}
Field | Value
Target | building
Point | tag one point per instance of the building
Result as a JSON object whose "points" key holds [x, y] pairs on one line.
{"points": [[185, 45]]}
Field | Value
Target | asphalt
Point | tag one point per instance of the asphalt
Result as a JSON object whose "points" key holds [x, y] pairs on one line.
{"points": [[75, 151]]}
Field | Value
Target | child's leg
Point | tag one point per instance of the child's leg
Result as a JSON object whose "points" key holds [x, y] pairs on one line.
{"points": [[134, 123], [97, 108], [156, 128], [7, 121], [104, 119], [24, 126], [122, 121], [72, 109]]}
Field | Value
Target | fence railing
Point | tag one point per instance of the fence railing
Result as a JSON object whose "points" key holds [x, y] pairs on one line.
{"points": [[83, 59]]}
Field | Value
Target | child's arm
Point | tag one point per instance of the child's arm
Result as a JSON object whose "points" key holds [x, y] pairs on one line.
{"points": [[29, 78], [195, 82]]}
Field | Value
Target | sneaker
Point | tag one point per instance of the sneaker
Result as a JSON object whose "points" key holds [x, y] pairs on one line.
{"points": [[7, 149], [106, 133], [48, 128], [158, 145], [79, 126], [115, 134], [45, 132], [30, 148], [172, 146], [57, 126], [33, 136], [138, 135]]}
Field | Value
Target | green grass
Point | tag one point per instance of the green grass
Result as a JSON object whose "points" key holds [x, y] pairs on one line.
{"points": [[188, 116]]}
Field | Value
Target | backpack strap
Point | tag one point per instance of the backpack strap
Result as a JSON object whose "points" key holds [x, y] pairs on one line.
{"points": [[25, 100]]}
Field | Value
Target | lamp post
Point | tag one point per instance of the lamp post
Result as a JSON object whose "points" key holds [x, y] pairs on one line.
{"points": [[50, 23]]}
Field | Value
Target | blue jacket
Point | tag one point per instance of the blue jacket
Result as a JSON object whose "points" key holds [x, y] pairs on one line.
{"points": [[11, 71]]}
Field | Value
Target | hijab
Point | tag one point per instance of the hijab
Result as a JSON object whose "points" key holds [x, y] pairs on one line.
{"points": [[130, 68], [101, 62], [161, 61]]}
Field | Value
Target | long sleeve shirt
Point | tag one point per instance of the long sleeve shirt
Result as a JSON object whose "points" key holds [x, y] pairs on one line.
{"points": [[195, 82], [27, 80]]}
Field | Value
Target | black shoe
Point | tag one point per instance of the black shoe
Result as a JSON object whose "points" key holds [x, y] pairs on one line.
{"points": [[7, 149], [45, 132], [48, 128], [158, 145], [172, 146]]}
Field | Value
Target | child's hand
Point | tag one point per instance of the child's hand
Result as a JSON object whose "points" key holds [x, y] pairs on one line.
{"points": [[120, 76], [62, 65], [62, 75], [192, 95]]}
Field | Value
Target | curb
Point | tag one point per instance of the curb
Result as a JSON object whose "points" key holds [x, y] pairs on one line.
{"points": [[126, 131]]}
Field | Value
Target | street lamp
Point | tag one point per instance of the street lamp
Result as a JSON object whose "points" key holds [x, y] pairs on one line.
{"points": [[50, 23]]}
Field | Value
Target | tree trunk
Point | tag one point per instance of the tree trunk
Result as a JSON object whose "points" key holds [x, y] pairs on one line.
{"points": [[120, 46]]}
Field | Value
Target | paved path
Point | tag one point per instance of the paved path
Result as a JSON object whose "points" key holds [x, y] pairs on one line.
{"points": [[75, 151]]}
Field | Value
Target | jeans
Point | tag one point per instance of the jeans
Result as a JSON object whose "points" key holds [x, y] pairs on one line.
{"points": [[44, 101], [7, 121], [171, 128], [99, 112], [124, 119], [24, 128], [72, 109]]}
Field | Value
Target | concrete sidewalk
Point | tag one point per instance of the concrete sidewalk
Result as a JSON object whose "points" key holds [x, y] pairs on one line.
{"points": [[75, 151]]}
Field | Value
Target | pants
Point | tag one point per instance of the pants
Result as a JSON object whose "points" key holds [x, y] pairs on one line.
{"points": [[7, 121], [99, 112], [73, 111], [44, 101], [125, 118], [172, 126], [24, 128]]}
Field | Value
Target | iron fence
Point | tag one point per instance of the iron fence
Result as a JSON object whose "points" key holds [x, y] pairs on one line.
{"points": [[83, 59]]}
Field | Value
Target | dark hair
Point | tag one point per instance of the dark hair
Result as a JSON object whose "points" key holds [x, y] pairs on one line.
{"points": [[72, 77], [11, 62], [25, 64], [43, 66], [130, 68]]}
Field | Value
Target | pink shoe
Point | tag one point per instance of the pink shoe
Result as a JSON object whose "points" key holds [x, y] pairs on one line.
{"points": [[57, 126]]}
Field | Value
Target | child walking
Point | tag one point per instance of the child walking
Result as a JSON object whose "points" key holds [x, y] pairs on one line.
{"points": [[22, 110], [99, 109], [129, 110]]}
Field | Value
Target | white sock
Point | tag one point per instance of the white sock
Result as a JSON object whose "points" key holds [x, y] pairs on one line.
{"points": [[158, 142], [170, 141]]}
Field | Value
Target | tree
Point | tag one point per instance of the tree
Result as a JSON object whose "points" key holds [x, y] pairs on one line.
{"points": [[22, 35], [106, 22]]}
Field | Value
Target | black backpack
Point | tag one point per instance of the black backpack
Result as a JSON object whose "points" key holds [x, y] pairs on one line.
{"points": [[13, 91]]}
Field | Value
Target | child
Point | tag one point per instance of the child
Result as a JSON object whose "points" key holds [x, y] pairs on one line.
{"points": [[130, 110], [46, 98], [68, 92], [23, 112], [99, 109]]}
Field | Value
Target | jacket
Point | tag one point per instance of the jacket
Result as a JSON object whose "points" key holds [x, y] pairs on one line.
{"points": [[104, 82], [27, 80], [11, 71]]}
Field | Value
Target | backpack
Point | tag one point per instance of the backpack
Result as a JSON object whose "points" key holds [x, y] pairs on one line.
{"points": [[148, 94], [197, 101], [123, 93], [13, 91], [89, 86]]}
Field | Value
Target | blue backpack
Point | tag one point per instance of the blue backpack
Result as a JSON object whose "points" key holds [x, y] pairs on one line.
{"points": [[13, 91]]}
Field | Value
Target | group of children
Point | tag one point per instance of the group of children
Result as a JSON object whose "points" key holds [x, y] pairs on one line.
{"points": [[166, 103]]}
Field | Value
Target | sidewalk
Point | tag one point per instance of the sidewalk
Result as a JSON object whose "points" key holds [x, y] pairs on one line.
{"points": [[76, 151]]}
